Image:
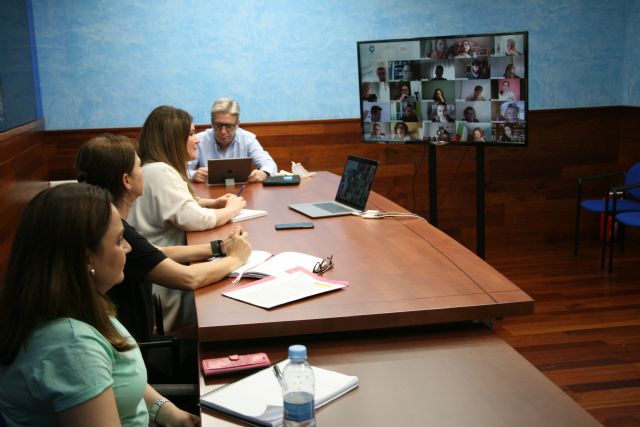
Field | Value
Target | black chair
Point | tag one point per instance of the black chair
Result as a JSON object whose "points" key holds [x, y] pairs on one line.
{"points": [[622, 220], [627, 202], [172, 364], [152, 348]]}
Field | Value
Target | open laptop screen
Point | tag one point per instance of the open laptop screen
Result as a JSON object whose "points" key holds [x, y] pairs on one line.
{"points": [[356, 182]]}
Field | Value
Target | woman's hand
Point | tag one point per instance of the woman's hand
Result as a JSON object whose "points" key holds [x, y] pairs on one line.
{"points": [[228, 200], [172, 416], [237, 245], [235, 203], [221, 201]]}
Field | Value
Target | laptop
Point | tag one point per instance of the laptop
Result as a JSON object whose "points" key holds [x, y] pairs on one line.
{"points": [[353, 191], [222, 169]]}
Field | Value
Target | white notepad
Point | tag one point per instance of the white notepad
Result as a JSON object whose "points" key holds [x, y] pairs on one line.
{"points": [[258, 397], [248, 214]]}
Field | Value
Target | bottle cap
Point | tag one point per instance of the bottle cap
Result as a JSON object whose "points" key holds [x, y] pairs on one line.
{"points": [[297, 353]]}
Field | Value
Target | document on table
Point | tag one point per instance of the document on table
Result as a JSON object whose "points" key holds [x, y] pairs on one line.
{"points": [[257, 398], [248, 214], [297, 284], [262, 264]]}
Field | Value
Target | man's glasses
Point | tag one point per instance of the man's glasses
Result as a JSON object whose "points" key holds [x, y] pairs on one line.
{"points": [[324, 265], [227, 126]]}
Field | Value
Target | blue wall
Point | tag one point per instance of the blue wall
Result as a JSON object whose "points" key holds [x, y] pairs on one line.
{"points": [[19, 103], [630, 81], [108, 63]]}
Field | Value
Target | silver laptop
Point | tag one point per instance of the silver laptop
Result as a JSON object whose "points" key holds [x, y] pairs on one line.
{"points": [[222, 169], [353, 191]]}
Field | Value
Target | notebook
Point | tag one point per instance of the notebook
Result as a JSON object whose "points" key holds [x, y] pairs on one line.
{"points": [[353, 191], [222, 169], [262, 264], [258, 397], [248, 214]]}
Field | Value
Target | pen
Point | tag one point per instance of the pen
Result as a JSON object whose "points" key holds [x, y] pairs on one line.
{"points": [[277, 372], [241, 190]]}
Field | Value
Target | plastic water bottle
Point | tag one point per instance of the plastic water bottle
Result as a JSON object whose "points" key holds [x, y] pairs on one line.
{"points": [[298, 388]]}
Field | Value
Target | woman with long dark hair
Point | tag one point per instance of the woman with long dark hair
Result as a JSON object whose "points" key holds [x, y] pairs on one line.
{"points": [[66, 360], [168, 207]]}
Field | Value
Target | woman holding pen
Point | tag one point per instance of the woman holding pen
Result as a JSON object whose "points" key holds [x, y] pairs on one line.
{"points": [[168, 207], [110, 161]]}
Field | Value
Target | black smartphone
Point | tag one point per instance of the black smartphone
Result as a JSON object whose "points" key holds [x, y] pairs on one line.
{"points": [[294, 225]]}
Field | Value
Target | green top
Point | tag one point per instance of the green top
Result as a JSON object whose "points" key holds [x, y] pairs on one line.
{"points": [[65, 363]]}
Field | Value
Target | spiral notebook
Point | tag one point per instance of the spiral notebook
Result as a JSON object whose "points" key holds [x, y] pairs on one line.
{"points": [[257, 398]]}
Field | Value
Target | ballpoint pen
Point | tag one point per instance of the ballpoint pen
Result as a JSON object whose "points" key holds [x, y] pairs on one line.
{"points": [[276, 371], [241, 190]]}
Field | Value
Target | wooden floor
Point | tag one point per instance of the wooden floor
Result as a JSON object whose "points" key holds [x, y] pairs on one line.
{"points": [[585, 333]]}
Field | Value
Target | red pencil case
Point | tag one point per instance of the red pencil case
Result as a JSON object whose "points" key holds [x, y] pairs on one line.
{"points": [[234, 362]]}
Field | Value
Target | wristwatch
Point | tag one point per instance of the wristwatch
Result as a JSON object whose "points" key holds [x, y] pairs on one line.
{"points": [[216, 248], [155, 407]]}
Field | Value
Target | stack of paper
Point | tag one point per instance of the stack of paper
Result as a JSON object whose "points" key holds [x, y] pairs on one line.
{"points": [[296, 284]]}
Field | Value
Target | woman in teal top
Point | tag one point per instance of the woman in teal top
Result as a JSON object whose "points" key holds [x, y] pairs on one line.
{"points": [[65, 359]]}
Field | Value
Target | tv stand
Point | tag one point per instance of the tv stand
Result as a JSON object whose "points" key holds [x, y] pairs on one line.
{"points": [[480, 193]]}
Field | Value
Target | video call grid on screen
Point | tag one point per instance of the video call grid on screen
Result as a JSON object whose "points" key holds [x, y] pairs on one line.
{"points": [[469, 89]]}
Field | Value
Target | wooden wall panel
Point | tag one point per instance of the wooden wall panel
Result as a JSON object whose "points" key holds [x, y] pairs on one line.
{"points": [[23, 173], [530, 193], [629, 136], [60, 148]]}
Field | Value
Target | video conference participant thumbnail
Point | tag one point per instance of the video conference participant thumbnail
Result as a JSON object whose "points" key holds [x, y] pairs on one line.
{"points": [[438, 132], [377, 131], [509, 112], [508, 132], [474, 111], [376, 111], [506, 89]]}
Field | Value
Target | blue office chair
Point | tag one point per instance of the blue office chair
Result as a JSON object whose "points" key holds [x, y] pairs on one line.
{"points": [[627, 201], [622, 220]]}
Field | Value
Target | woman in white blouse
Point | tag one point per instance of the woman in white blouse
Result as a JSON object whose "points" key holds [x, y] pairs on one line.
{"points": [[169, 207]]}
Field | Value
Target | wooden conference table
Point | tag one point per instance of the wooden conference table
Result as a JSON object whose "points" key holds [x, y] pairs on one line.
{"points": [[402, 271], [407, 278], [453, 375]]}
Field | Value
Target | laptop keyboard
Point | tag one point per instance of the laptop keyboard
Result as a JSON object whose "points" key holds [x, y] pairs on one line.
{"points": [[331, 207]]}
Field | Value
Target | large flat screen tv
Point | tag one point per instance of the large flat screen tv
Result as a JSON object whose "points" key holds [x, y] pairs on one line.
{"points": [[463, 89]]}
